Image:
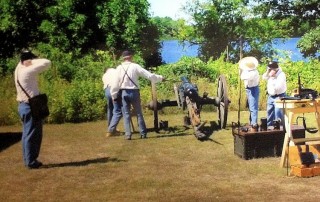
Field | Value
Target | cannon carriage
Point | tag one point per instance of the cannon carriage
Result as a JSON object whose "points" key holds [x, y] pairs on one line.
{"points": [[188, 98]]}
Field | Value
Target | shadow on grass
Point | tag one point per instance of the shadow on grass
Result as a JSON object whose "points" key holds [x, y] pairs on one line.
{"points": [[8, 139], [83, 163]]}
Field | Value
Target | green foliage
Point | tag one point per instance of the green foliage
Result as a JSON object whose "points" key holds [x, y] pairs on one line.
{"points": [[78, 27], [78, 101], [83, 99], [9, 107], [219, 26], [19, 22], [309, 43], [299, 17]]}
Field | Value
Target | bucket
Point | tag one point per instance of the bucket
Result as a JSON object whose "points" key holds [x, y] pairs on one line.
{"points": [[163, 124], [263, 126]]}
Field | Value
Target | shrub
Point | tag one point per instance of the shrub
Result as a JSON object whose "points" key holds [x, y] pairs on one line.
{"points": [[75, 88]]}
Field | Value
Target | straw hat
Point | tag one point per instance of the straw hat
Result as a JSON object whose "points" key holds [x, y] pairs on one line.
{"points": [[248, 63]]}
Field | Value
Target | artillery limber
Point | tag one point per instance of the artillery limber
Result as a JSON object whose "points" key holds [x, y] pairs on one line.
{"points": [[188, 97]]}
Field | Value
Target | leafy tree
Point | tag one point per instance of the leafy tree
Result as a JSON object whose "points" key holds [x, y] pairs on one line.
{"points": [[78, 26], [310, 43], [166, 26], [302, 17], [19, 22], [219, 24], [72, 25]]}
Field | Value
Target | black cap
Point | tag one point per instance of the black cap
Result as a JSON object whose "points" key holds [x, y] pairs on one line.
{"points": [[126, 54], [273, 65], [27, 55]]}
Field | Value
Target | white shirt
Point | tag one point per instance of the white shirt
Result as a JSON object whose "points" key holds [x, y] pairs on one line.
{"points": [[276, 85], [134, 71], [108, 77], [250, 77], [28, 78]]}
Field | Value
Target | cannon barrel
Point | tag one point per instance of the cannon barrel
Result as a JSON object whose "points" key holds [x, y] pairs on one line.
{"points": [[162, 104], [172, 103]]}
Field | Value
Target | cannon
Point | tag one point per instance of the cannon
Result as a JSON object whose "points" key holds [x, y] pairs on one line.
{"points": [[188, 97]]}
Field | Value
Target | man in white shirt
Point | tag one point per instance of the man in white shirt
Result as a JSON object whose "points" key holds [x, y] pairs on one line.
{"points": [[114, 112], [128, 86], [26, 73], [250, 75], [276, 88]]}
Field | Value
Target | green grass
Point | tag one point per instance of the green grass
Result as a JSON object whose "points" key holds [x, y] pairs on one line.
{"points": [[81, 164]]}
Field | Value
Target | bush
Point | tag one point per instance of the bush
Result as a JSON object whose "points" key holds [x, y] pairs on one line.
{"points": [[75, 88]]}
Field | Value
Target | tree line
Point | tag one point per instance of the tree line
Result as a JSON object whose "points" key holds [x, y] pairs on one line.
{"points": [[81, 26], [84, 37], [78, 27]]}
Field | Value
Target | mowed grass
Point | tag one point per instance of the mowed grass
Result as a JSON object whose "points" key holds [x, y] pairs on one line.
{"points": [[81, 164]]}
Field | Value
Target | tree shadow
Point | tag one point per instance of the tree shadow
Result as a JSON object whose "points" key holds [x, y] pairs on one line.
{"points": [[82, 163], [8, 139]]}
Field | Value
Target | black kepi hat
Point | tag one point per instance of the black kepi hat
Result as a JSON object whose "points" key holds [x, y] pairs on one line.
{"points": [[273, 65], [27, 55], [126, 54]]}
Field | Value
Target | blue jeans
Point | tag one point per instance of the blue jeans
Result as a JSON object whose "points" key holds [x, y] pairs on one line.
{"points": [[109, 107], [253, 102], [274, 113], [31, 135], [114, 112], [132, 98]]}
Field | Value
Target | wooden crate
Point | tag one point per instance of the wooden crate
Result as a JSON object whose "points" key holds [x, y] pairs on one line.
{"points": [[248, 145], [305, 171], [301, 171]]}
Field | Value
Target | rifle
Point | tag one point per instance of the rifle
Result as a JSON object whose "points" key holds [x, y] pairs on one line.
{"points": [[304, 93]]}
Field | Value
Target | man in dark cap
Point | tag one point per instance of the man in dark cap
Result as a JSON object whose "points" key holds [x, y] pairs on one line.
{"points": [[127, 82], [26, 74], [276, 88]]}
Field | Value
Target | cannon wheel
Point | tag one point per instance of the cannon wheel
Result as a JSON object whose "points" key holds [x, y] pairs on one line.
{"points": [[222, 94]]}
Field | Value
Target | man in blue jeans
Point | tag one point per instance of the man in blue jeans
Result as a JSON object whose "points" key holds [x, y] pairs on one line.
{"points": [[276, 87], [250, 75], [114, 111], [127, 82], [26, 74]]}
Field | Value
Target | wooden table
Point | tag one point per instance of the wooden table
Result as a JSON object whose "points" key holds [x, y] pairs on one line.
{"points": [[292, 107]]}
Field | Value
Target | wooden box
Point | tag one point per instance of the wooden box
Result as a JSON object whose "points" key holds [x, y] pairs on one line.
{"points": [[248, 145], [305, 171], [301, 171]]}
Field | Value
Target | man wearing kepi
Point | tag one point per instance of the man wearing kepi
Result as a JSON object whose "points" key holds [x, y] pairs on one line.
{"points": [[250, 75], [127, 86], [26, 74], [276, 87]]}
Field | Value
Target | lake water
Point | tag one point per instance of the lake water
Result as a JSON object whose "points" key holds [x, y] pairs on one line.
{"points": [[172, 50]]}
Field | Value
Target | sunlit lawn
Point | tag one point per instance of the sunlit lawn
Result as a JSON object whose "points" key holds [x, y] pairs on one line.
{"points": [[81, 164]]}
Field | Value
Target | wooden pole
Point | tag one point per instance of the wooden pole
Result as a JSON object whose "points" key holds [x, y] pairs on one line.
{"points": [[239, 101], [155, 107]]}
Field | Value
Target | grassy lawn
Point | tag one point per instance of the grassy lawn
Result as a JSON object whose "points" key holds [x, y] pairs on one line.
{"points": [[81, 164]]}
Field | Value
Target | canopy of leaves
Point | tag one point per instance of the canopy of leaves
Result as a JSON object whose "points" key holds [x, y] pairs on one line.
{"points": [[78, 26], [219, 24]]}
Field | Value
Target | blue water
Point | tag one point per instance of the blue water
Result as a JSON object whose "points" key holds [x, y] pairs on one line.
{"points": [[172, 51]]}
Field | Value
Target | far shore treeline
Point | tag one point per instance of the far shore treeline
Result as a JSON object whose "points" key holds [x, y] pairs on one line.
{"points": [[83, 38]]}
